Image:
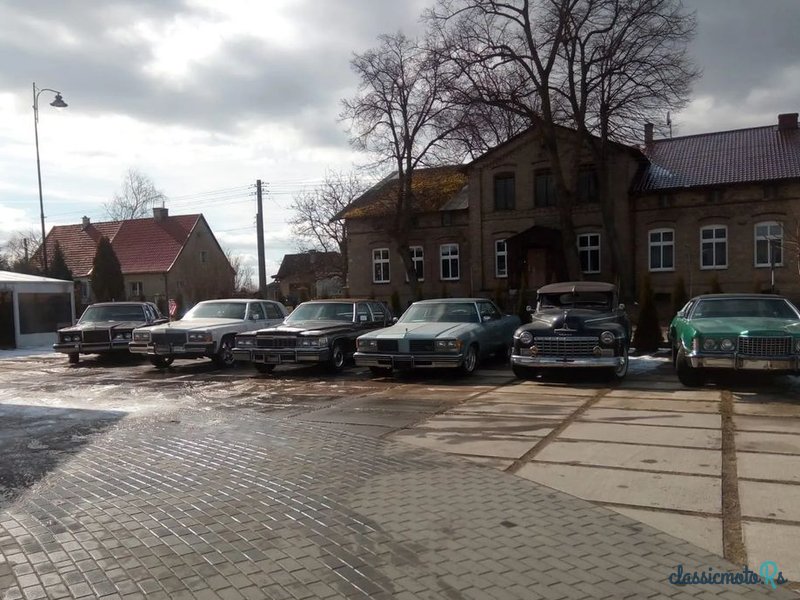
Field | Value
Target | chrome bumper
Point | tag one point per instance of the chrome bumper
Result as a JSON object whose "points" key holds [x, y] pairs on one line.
{"points": [[559, 362], [745, 363], [72, 347], [190, 350], [408, 361], [277, 356]]}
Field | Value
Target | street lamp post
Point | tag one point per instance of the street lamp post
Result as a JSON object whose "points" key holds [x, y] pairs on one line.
{"points": [[58, 103]]}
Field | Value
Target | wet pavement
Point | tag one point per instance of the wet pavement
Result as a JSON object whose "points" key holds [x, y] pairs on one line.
{"points": [[120, 481]]}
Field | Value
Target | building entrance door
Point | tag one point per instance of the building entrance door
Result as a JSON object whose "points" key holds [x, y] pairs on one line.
{"points": [[536, 268], [7, 339]]}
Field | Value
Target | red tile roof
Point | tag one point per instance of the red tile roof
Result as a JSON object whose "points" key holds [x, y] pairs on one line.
{"points": [[141, 245], [758, 154]]}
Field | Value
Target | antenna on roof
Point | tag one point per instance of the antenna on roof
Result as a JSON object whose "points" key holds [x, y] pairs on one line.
{"points": [[669, 124]]}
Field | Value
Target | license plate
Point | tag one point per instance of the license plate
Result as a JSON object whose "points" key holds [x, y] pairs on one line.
{"points": [[162, 349], [178, 349], [272, 358]]}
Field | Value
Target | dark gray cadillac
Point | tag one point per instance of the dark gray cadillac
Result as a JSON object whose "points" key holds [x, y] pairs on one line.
{"points": [[576, 324], [106, 327], [318, 331]]}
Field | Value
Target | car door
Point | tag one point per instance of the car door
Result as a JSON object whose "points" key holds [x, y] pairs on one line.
{"points": [[273, 314], [492, 326]]}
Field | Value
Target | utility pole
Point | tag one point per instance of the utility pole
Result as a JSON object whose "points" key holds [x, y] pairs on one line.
{"points": [[262, 265]]}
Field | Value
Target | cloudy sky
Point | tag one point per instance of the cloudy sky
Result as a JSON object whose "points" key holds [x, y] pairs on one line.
{"points": [[206, 96]]}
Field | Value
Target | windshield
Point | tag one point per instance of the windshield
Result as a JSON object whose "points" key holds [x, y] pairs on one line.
{"points": [[322, 311], [595, 300], [96, 314], [217, 310], [770, 308], [441, 312]]}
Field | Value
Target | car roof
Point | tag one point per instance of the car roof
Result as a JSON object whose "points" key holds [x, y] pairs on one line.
{"points": [[450, 300], [324, 300], [731, 296], [127, 303], [566, 287], [234, 300]]}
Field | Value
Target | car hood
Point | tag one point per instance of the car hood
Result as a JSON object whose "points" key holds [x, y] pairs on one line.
{"points": [[192, 324], [102, 326], [556, 318], [753, 326], [422, 331], [306, 327]]}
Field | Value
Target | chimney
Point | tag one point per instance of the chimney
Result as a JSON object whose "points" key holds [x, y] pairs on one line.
{"points": [[160, 213], [648, 134], [787, 121], [85, 223]]}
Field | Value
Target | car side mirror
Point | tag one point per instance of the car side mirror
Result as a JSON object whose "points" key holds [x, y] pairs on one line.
{"points": [[529, 308], [621, 307], [394, 319]]}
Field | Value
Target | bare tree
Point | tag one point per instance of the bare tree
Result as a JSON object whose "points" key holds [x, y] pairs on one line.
{"points": [[19, 250], [243, 273], [404, 115], [138, 195], [313, 223], [599, 67]]}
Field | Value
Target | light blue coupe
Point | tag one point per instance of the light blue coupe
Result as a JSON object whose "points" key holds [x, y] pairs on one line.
{"points": [[454, 332]]}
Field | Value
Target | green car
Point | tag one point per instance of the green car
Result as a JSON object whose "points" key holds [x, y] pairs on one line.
{"points": [[742, 332]]}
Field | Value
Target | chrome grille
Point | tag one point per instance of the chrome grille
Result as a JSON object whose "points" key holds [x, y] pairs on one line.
{"points": [[168, 337], [421, 345], [95, 336], [276, 342], [565, 346], [765, 346], [387, 345]]}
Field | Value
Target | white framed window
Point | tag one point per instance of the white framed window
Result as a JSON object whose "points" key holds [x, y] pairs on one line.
{"points": [[589, 252], [768, 244], [500, 259], [380, 265], [418, 259], [137, 289], [662, 249], [714, 247], [449, 262]]}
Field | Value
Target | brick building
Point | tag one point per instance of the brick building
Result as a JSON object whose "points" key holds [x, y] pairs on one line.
{"points": [[161, 257], [723, 205]]}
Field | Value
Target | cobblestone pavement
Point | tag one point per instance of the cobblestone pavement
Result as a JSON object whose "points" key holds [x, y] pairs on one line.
{"points": [[237, 506]]}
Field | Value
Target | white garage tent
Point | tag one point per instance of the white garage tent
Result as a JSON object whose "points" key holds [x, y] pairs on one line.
{"points": [[32, 308]]}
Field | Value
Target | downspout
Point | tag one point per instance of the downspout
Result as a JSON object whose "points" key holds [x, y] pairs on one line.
{"points": [[166, 293]]}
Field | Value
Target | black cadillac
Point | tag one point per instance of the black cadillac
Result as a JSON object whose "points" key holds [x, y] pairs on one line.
{"points": [[575, 324], [319, 331], [106, 327]]}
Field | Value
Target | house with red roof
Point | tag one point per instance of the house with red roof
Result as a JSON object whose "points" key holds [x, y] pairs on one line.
{"points": [[719, 208], [162, 257]]}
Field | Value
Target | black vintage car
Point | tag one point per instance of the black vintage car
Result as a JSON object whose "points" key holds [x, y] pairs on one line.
{"points": [[106, 327], [319, 331], [575, 324]]}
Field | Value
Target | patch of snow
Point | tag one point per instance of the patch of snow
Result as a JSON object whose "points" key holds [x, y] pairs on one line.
{"points": [[23, 352]]}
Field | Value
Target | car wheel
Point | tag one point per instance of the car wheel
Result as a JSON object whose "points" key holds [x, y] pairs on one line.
{"points": [[687, 375], [224, 356], [336, 362], [264, 368], [621, 369], [162, 362], [470, 360], [380, 371]]}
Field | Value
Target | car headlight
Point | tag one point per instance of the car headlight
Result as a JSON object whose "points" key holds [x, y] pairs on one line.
{"points": [[199, 336], [367, 345], [709, 344], [526, 337], [448, 345], [70, 338], [607, 338], [726, 344], [243, 342], [312, 342], [141, 336]]}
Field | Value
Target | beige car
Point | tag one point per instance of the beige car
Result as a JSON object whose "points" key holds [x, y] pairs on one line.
{"points": [[207, 331]]}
